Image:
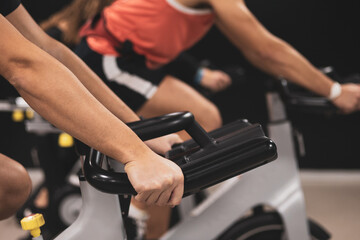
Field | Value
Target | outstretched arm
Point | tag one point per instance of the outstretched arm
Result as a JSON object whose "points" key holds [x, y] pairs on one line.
{"points": [[55, 93], [24, 23], [275, 56]]}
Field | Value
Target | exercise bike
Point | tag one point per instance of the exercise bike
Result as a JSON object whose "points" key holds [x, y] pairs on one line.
{"points": [[207, 160], [266, 203]]}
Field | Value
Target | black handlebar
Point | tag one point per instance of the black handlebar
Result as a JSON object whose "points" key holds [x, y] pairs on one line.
{"points": [[106, 181], [203, 160], [298, 98], [170, 123], [303, 100], [146, 129]]}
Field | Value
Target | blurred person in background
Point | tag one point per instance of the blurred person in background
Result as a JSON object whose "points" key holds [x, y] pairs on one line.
{"points": [[130, 41]]}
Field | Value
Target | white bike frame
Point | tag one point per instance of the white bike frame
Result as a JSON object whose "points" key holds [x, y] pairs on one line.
{"points": [[275, 184]]}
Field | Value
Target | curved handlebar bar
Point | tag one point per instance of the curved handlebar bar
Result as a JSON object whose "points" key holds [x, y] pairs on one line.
{"points": [[170, 123], [304, 100], [146, 129], [105, 180], [211, 163]]}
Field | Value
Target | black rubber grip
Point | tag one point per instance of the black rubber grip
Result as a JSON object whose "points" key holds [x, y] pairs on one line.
{"points": [[239, 147]]}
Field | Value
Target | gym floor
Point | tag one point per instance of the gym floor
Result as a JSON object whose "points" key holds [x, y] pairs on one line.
{"points": [[332, 199]]}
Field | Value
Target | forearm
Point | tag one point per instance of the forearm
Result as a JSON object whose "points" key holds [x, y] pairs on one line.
{"points": [[284, 61], [70, 107], [55, 93], [28, 28], [81, 115], [92, 82], [264, 50]]}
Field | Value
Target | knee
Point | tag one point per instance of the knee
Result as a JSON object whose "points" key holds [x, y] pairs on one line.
{"points": [[15, 189], [210, 118], [22, 183]]}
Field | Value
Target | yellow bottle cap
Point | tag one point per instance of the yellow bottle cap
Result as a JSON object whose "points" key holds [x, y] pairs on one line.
{"points": [[33, 223], [18, 115], [29, 113], [65, 140]]}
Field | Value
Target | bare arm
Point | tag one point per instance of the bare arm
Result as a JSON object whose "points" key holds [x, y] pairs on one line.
{"points": [[53, 90], [55, 93], [23, 22], [21, 19], [275, 56]]}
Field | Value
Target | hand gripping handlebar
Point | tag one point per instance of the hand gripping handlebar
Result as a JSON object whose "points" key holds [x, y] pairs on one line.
{"points": [[207, 159]]}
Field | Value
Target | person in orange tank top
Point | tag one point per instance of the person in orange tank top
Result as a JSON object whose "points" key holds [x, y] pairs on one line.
{"points": [[129, 42], [159, 30]]}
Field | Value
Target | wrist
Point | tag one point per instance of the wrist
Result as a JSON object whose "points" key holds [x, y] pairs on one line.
{"points": [[199, 76], [142, 154], [335, 91], [131, 150]]}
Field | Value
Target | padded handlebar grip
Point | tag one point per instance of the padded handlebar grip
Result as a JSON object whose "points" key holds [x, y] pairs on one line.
{"points": [[240, 147], [304, 100], [145, 129]]}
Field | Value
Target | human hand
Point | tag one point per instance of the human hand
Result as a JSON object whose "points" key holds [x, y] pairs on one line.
{"points": [[163, 144], [156, 180], [349, 99], [215, 80]]}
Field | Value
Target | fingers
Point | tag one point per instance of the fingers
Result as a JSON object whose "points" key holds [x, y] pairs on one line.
{"points": [[215, 80], [224, 80], [174, 138], [227, 78], [153, 198], [349, 99], [162, 185], [142, 196], [170, 197], [164, 198], [176, 195], [163, 144], [152, 191]]}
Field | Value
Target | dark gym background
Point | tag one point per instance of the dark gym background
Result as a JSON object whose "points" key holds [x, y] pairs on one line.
{"points": [[324, 31]]}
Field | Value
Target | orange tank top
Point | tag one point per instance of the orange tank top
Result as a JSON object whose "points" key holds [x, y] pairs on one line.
{"points": [[158, 29]]}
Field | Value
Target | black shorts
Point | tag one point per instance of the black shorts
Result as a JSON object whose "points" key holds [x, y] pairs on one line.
{"points": [[128, 76]]}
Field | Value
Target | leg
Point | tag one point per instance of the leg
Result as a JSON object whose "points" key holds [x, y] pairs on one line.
{"points": [[136, 85], [158, 222], [174, 95], [158, 219], [15, 186]]}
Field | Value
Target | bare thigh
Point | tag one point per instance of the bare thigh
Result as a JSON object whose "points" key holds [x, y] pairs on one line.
{"points": [[174, 95]]}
